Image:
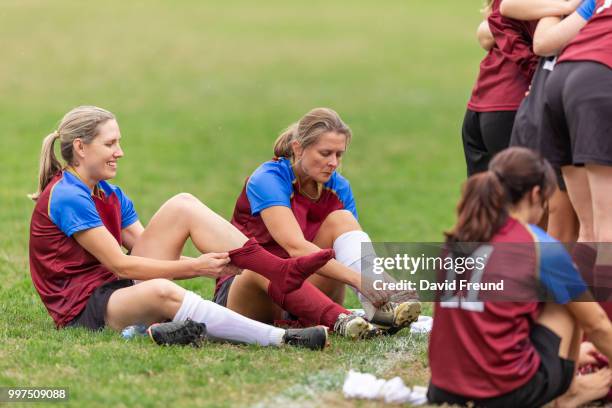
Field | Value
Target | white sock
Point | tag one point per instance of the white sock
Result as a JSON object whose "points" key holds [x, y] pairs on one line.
{"points": [[348, 250], [224, 324]]}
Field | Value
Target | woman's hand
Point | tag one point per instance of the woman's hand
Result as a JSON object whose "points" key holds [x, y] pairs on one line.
{"points": [[588, 354], [214, 265]]}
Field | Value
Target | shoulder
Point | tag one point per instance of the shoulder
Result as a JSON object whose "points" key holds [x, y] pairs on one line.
{"points": [[273, 170], [339, 184], [68, 190]]}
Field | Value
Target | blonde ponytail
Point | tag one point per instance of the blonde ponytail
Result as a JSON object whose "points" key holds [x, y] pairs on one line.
{"points": [[282, 145], [49, 165]]}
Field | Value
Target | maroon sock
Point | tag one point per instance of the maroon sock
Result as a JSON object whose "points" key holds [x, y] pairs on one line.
{"points": [[584, 256], [287, 274], [308, 304]]}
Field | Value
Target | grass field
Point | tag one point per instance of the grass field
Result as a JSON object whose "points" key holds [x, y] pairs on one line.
{"points": [[201, 89]]}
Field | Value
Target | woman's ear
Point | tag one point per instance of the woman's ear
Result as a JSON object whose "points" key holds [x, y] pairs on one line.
{"points": [[536, 195], [297, 149], [78, 147]]}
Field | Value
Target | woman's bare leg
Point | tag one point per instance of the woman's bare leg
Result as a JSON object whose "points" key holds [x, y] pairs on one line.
{"points": [[148, 302], [248, 295], [579, 193], [336, 224], [562, 220], [182, 217]]}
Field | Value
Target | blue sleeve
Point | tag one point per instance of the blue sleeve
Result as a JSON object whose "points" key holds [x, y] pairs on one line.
{"points": [[586, 9], [73, 212], [128, 213], [345, 193], [268, 187], [558, 274]]}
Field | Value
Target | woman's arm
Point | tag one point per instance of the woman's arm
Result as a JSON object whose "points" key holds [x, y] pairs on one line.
{"points": [[553, 33], [104, 247], [536, 9], [285, 230], [485, 37], [130, 234], [592, 318]]}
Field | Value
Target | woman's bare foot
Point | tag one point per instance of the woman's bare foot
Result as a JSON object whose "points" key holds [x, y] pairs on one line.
{"points": [[586, 388]]}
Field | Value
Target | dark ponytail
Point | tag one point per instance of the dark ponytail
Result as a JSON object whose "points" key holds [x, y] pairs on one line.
{"points": [[486, 197]]}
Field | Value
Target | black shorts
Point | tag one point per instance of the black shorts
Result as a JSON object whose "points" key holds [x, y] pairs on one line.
{"points": [[526, 131], [577, 124], [553, 379], [92, 317], [485, 134], [220, 296]]}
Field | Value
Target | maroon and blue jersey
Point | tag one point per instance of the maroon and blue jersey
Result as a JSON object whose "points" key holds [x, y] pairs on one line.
{"points": [[482, 349], [63, 272], [274, 184], [594, 41]]}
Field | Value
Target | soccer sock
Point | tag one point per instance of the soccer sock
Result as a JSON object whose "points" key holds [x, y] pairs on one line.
{"points": [[348, 248], [225, 324], [288, 274], [311, 306], [584, 257]]}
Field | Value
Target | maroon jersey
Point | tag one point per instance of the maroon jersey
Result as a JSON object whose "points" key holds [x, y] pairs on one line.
{"points": [[63, 272], [594, 42], [482, 349], [506, 71]]}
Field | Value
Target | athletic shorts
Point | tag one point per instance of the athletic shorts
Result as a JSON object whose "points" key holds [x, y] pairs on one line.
{"points": [[526, 131], [553, 379], [222, 292], [577, 124], [485, 134], [92, 317]]}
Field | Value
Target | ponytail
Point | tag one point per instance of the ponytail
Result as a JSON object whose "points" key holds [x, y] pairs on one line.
{"points": [[49, 165], [282, 145], [481, 211]]}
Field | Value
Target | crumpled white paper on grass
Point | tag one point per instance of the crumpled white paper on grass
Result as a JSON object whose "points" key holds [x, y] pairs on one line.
{"points": [[393, 391]]}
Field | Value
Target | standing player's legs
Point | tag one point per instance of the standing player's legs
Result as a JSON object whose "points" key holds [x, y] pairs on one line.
{"points": [[600, 180], [496, 130], [476, 154], [588, 104], [579, 193], [563, 222]]}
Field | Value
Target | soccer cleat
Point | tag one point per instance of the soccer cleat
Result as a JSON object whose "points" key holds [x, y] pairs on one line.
{"points": [[313, 338], [354, 327], [392, 317], [181, 333]]}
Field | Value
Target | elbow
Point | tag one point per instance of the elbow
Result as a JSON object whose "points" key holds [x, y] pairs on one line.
{"points": [[543, 49], [505, 9]]}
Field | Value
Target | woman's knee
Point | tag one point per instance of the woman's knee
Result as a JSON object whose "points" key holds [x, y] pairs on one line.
{"points": [[164, 291], [337, 223]]}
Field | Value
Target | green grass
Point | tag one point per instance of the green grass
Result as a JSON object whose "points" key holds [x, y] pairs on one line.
{"points": [[201, 89]]}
